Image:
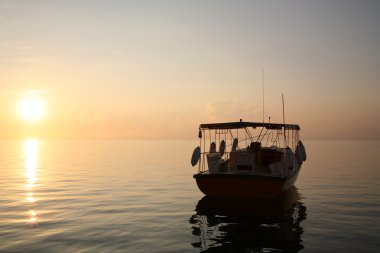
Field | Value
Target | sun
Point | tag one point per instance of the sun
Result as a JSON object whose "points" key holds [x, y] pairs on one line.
{"points": [[31, 109]]}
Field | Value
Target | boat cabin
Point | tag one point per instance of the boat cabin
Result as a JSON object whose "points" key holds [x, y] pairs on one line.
{"points": [[248, 147]]}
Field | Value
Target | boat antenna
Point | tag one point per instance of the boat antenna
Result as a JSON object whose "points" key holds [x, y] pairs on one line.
{"points": [[263, 98], [283, 118]]}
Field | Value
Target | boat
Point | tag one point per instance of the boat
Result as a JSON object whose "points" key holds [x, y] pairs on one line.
{"points": [[247, 159]]}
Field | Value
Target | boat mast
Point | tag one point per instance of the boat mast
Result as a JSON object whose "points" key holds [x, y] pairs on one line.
{"points": [[263, 98], [283, 119]]}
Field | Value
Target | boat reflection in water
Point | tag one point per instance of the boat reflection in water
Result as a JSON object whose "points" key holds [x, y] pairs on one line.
{"points": [[246, 225]]}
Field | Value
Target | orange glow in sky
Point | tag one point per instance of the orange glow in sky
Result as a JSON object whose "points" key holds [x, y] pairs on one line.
{"points": [[158, 69]]}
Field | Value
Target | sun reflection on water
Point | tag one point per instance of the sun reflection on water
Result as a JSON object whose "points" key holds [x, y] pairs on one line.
{"points": [[30, 154], [31, 158]]}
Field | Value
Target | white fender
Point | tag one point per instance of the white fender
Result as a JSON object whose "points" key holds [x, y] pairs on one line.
{"points": [[234, 144], [212, 147], [299, 154], [196, 155], [303, 150], [222, 147]]}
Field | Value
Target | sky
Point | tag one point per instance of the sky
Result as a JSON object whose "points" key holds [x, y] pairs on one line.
{"points": [[157, 69]]}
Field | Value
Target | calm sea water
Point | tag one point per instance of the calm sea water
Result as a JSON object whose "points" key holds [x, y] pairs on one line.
{"points": [[139, 196]]}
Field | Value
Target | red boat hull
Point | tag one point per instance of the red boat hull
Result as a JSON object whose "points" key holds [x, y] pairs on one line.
{"points": [[243, 185]]}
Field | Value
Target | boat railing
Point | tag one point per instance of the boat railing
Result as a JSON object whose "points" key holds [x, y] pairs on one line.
{"points": [[268, 138]]}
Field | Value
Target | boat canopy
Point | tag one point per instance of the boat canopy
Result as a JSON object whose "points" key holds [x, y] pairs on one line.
{"points": [[242, 124]]}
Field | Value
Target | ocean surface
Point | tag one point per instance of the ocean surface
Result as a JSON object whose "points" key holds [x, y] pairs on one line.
{"points": [[139, 196]]}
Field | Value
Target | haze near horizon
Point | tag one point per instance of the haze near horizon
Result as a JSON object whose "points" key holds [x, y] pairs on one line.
{"points": [[158, 69]]}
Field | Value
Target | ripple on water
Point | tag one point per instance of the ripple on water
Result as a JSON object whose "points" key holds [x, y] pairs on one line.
{"points": [[107, 196]]}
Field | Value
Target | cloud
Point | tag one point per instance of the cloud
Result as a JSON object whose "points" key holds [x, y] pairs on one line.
{"points": [[229, 109]]}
